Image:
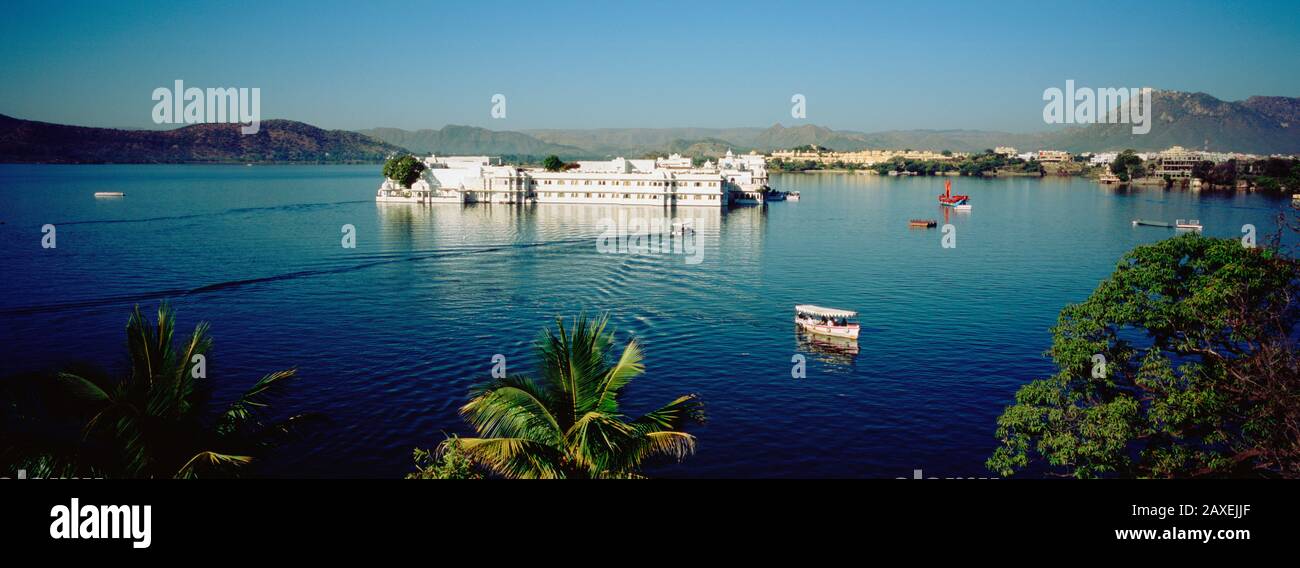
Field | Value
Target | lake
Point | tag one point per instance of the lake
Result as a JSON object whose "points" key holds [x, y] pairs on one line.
{"points": [[389, 336]]}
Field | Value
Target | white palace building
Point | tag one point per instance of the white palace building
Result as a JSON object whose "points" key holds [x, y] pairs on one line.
{"points": [[663, 181]]}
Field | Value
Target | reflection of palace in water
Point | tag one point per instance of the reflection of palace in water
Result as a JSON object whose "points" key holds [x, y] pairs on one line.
{"points": [[702, 235]]}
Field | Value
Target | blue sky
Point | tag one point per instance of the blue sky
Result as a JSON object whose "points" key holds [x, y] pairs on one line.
{"points": [[862, 65]]}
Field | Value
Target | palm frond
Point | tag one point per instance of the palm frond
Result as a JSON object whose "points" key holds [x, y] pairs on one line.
{"points": [[511, 408], [515, 458], [244, 411], [597, 439], [183, 380], [81, 388], [661, 433], [213, 461], [628, 367], [573, 363], [681, 412]]}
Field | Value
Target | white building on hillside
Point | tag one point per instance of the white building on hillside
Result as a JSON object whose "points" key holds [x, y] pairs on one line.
{"points": [[1103, 158]]}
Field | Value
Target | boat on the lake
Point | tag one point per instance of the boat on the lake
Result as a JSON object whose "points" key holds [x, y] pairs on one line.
{"points": [[830, 322], [950, 200], [922, 223], [1180, 224], [962, 207], [775, 195], [109, 194], [1150, 223], [794, 196]]}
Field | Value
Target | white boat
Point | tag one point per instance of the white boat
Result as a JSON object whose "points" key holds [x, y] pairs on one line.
{"points": [[962, 207], [830, 322], [109, 194], [1188, 224], [794, 196]]}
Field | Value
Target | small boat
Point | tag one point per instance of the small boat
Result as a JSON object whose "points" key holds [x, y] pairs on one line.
{"points": [[1188, 224], [794, 196], [962, 207], [950, 200], [774, 196], [1149, 223], [109, 194], [923, 223], [830, 322]]}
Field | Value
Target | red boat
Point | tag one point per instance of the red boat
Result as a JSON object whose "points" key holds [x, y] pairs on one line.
{"points": [[950, 200]]}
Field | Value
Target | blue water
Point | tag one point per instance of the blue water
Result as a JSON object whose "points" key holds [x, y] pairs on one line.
{"points": [[389, 336]]}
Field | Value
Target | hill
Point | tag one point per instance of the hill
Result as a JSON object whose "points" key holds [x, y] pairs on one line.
{"points": [[1258, 125], [276, 141], [470, 140]]}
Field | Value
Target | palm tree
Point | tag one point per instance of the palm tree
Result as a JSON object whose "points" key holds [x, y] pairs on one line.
{"points": [[153, 421], [568, 423]]}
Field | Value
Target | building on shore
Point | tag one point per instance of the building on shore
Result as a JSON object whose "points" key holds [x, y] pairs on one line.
{"points": [[1053, 156], [1103, 158], [1175, 163], [671, 181], [861, 157]]}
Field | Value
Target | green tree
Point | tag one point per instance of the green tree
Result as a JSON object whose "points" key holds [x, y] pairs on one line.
{"points": [[154, 419], [404, 169], [568, 423], [447, 462], [1127, 166], [1198, 377], [553, 163]]}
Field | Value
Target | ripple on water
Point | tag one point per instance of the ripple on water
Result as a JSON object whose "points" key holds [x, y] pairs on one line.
{"points": [[389, 337]]}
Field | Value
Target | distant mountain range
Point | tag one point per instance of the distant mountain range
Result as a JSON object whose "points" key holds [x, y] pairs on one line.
{"points": [[453, 139], [276, 141], [1259, 125]]}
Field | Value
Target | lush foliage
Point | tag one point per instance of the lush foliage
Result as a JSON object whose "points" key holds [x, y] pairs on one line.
{"points": [[1199, 373], [972, 165], [151, 421], [447, 462], [568, 423], [404, 169], [1128, 166], [553, 163], [1276, 174]]}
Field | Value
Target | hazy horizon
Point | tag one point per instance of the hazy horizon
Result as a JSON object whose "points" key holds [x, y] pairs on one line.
{"points": [[568, 66]]}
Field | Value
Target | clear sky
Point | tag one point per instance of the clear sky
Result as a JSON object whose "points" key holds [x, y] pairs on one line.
{"points": [[862, 65]]}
